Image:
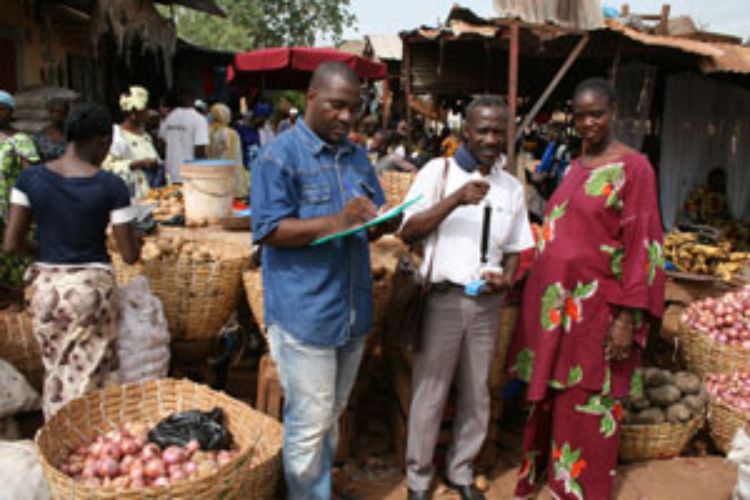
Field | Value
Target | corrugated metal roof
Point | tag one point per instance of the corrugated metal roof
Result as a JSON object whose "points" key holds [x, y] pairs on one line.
{"points": [[718, 57], [386, 47], [576, 14]]}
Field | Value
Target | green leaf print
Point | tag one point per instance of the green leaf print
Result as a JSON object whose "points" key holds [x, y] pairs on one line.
{"points": [[552, 300], [655, 259], [636, 384], [607, 386], [637, 319], [524, 364], [569, 455], [594, 406], [608, 426], [606, 181], [558, 211], [575, 375], [556, 384], [575, 488], [615, 259], [548, 227], [605, 407], [582, 291]]}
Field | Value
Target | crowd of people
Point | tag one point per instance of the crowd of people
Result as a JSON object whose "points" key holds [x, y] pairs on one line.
{"points": [[587, 300]]}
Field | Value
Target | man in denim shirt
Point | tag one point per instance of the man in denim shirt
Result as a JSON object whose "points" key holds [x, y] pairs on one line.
{"points": [[308, 183]]}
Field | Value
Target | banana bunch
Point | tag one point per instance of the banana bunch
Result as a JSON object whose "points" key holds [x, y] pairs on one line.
{"points": [[690, 254]]}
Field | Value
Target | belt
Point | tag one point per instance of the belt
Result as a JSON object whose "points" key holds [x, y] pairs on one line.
{"points": [[445, 286]]}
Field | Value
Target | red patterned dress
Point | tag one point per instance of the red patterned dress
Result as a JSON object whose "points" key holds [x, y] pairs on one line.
{"points": [[600, 250]]}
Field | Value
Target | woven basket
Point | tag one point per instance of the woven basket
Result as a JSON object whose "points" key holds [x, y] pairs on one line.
{"points": [[253, 474], [724, 422], [703, 355], [649, 442], [253, 281], [198, 297], [18, 346], [508, 320], [395, 185]]}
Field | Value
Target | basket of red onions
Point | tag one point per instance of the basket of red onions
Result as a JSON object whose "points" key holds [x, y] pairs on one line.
{"points": [[99, 446], [715, 333], [729, 408]]}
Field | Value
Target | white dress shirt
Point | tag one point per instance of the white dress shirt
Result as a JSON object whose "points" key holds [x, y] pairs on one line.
{"points": [[457, 248]]}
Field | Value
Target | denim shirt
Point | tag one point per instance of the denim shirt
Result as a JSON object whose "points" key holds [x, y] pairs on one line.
{"points": [[321, 295]]}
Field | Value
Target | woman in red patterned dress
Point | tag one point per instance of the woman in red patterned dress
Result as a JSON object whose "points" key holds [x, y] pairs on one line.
{"points": [[596, 282]]}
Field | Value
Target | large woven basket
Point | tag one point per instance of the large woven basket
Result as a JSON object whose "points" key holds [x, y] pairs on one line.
{"points": [[703, 355], [198, 297], [253, 474], [724, 421], [508, 320], [253, 281], [395, 185], [649, 442], [19, 347]]}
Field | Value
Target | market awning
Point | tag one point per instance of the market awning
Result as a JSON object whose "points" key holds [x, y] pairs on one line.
{"points": [[291, 67]]}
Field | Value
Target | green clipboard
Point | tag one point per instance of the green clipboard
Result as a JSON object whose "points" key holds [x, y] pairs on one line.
{"points": [[390, 214]]}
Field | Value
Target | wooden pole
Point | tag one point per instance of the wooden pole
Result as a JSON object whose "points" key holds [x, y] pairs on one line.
{"points": [[513, 96], [553, 84], [386, 101], [407, 69]]}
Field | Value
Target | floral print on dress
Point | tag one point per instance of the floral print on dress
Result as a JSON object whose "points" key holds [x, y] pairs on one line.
{"points": [[609, 409], [563, 307], [615, 259], [548, 228], [568, 467], [524, 364], [655, 259], [527, 471], [607, 181]]}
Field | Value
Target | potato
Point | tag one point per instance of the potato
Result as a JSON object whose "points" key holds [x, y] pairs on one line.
{"points": [[664, 395], [678, 412], [694, 402], [654, 377], [687, 382], [639, 404], [649, 416]]}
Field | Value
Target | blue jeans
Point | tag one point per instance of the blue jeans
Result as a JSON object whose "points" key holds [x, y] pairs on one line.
{"points": [[316, 383]]}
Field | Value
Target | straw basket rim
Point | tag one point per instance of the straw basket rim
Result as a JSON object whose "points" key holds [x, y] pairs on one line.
{"points": [[720, 417], [704, 355], [655, 441], [79, 417]]}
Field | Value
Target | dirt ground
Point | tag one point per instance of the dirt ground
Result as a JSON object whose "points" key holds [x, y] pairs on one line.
{"points": [[705, 478]]}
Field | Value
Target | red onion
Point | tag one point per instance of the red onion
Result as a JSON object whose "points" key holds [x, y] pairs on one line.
{"points": [[174, 455], [190, 468], [112, 450], [160, 481], [193, 446], [154, 468], [107, 467], [150, 451], [130, 446]]}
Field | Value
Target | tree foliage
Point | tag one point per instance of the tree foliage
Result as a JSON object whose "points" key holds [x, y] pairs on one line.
{"points": [[254, 24]]}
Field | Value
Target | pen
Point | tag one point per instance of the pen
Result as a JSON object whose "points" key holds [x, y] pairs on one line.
{"points": [[351, 189], [368, 190]]}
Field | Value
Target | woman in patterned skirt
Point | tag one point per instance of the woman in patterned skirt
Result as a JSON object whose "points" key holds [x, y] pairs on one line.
{"points": [[72, 202], [596, 282]]}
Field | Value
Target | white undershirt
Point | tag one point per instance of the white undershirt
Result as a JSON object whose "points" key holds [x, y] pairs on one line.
{"points": [[459, 235]]}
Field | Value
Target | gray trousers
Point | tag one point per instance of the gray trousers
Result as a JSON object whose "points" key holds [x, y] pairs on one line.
{"points": [[460, 335]]}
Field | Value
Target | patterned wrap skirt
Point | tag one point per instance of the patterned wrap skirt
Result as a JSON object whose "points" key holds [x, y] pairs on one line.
{"points": [[74, 321]]}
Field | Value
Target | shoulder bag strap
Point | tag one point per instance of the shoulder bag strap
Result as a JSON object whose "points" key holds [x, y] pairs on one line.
{"points": [[441, 194]]}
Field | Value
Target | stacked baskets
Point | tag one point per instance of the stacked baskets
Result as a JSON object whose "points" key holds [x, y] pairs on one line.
{"points": [[19, 347], [707, 356], [198, 297], [252, 474]]}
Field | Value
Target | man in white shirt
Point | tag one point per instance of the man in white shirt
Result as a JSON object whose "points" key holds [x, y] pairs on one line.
{"points": [[185, 132], [460, 331]]}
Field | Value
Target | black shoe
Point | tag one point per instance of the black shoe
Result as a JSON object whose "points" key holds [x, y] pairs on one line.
{"points": [[418, 495], [466, 491]]}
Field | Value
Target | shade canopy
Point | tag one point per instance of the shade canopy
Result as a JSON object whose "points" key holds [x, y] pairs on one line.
{"points": [[291, 67]]}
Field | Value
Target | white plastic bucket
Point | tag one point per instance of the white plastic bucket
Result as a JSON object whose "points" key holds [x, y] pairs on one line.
{"points": [[208, 189]]}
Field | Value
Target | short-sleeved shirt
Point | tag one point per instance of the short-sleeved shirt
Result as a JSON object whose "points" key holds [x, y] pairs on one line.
{"points": [[182, 130], [72, 213], [321, 295], [458, 255]]}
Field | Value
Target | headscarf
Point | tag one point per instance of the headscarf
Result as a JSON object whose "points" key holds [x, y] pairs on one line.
{"points": [[136, 99], [7, 100], [221, 113]]}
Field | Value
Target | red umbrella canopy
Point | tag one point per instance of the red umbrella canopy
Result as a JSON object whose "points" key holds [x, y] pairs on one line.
{"points": [[291, 67]]}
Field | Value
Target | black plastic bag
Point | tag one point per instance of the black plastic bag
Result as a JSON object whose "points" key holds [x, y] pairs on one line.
{"points": [[180, 428]]}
